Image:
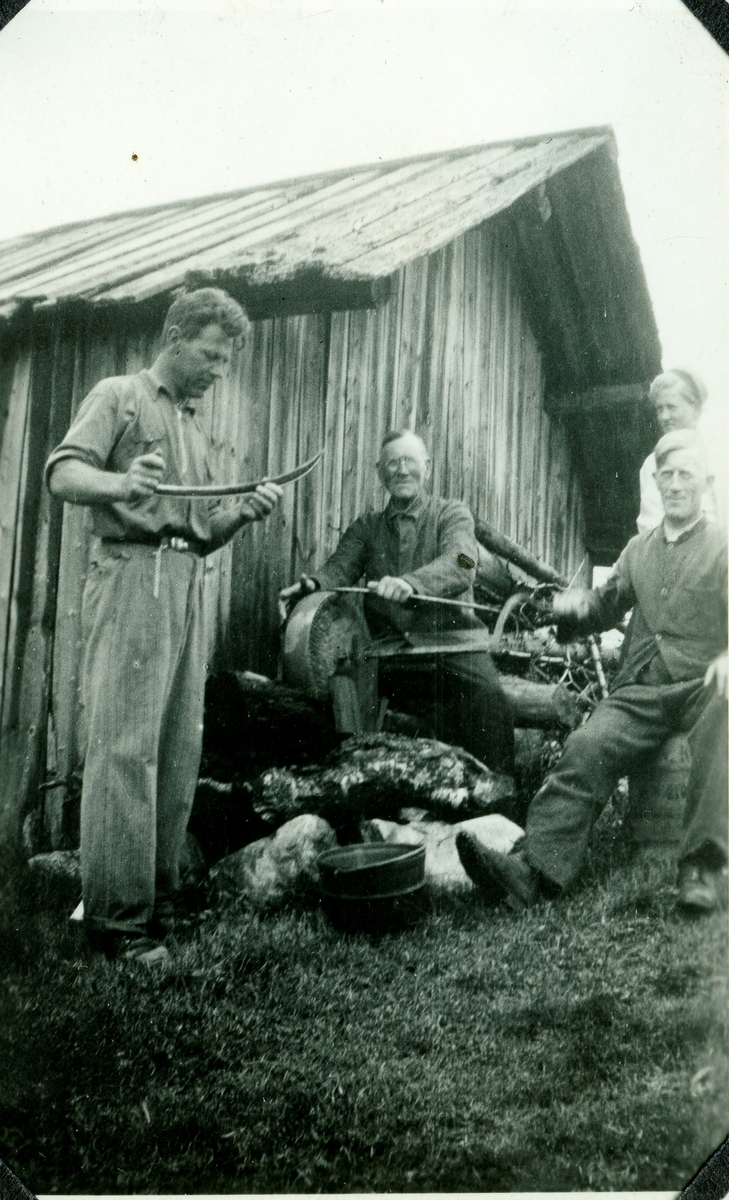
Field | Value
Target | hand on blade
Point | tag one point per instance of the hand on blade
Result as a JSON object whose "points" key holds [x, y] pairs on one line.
{"points": [[263, 501]]}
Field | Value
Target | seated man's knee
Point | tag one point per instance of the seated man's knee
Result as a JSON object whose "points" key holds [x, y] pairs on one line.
{"points": [[587, 746]]}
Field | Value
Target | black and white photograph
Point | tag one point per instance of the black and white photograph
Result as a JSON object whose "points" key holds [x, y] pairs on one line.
{"points": [[363, 597]]}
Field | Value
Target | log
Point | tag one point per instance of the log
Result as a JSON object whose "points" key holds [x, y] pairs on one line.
{"points": [[377, 774], [499, 544], [252, 722], [492, 577], [541, 705]]}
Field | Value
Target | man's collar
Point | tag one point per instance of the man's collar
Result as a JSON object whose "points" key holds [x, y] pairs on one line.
{"points": [[414, 508], [188, 403], [698, 524]]}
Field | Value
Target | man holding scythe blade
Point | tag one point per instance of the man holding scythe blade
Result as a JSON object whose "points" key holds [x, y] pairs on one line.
{"points": [[137, 455]]}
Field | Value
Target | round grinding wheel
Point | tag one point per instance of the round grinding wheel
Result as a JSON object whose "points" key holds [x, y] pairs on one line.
{"points": [[323, 629]]}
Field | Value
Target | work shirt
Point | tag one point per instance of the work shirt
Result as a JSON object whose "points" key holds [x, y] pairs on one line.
{"points": [[678, 593], [419, 544], [122, 418]]}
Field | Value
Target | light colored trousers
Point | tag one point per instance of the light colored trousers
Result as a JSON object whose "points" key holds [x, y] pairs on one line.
{"points": [[143, 688]]}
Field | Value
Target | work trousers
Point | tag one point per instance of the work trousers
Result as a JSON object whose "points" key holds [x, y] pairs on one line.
{"points": [[621, 731], [460, 699], [143, 688]]}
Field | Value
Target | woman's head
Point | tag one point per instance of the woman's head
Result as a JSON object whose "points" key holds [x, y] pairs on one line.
{"points": [[678, 397]]}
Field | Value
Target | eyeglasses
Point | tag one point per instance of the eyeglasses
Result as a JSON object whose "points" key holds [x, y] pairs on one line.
{"points": [[667, 476], [392, 466]]}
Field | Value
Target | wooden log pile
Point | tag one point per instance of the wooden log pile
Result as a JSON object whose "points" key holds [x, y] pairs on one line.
{"points": [[378, 774]]}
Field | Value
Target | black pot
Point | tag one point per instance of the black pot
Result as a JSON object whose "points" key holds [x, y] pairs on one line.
{"points": [[373, 888], [375, 914], [372, 869]]}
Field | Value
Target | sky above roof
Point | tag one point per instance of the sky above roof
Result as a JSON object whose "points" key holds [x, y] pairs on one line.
{"points": [[114, 104]]}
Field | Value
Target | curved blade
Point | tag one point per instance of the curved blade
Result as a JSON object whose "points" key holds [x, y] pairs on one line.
{"points": [[237, 489]]}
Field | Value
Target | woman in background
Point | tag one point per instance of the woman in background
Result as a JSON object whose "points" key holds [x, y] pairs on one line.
{"points": [[678, 397]]}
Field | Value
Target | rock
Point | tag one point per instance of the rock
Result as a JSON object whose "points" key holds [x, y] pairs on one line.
{"points": [[56, 877], [378, 830], [442, 864], [274, 869], [495, 831]]}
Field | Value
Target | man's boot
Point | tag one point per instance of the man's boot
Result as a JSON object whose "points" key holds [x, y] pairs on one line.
{"points": [[501, 877], [701, 889]]}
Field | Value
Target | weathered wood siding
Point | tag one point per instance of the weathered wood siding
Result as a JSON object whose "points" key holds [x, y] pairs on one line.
{"points": [[450, 354]]}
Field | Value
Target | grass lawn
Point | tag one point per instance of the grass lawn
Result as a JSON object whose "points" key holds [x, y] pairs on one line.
{"points": [[582, 1045]]}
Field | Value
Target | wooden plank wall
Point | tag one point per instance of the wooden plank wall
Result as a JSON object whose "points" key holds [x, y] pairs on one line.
{"points": [[36, 415], [275, 401], [450, 354]]}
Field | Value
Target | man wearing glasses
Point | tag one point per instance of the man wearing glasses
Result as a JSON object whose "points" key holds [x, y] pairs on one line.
{"points": [[672, 678], [422, 545]]}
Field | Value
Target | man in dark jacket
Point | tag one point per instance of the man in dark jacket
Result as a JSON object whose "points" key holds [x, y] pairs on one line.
{"points": [[422, 545], [673, 678]]}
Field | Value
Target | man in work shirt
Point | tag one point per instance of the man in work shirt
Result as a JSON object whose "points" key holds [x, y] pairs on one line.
{"points": [[673, 678], [144, 671], [417, 546]]}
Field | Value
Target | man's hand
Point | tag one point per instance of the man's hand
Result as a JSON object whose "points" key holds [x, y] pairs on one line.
{"points": [[289, 596], [392, 588], [573, 603], [262, 502], [717, 673], [143, 475]]}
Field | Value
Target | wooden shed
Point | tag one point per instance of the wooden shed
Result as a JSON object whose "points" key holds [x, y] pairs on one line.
{"points": [[490, 297]]}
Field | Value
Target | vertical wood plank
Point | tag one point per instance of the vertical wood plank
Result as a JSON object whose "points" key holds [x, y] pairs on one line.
{"points": [[309, 497], [438, 394], [38, 538], [11, 475], [471, 322], [336, 401], [352, 467]]}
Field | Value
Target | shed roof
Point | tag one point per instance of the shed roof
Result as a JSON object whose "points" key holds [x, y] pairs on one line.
{"points": [[332, 240], [361, 223], [335, 239]]}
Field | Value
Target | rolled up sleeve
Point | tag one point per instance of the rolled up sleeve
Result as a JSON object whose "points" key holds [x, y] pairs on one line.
{"points": [[95, 431]]}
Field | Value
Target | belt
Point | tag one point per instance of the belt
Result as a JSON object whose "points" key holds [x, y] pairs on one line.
{"points": [[182, 545]]}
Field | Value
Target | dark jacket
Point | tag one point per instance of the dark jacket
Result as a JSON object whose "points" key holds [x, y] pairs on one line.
{"points": [[421, 545]]}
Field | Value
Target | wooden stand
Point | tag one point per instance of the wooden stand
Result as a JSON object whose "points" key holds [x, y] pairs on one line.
{"points": [[658, 796]]}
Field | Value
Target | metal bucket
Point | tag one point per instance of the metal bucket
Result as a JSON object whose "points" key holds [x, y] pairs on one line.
{"points": [[372, 869], [373, 887]]}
